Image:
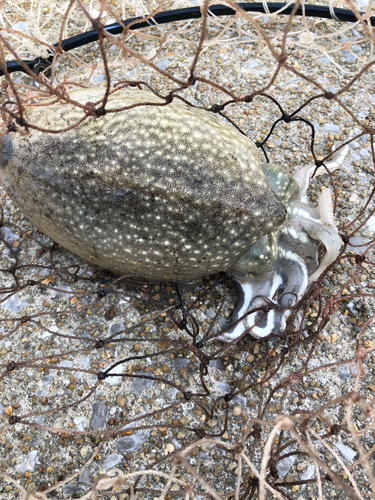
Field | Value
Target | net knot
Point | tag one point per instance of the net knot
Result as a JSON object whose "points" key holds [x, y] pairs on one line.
{"points": [[99, 344], [100, 111], [13, 420], [216, 108], [192, 80], [21, 121], [359, 259], [31, 282], [12, 127], [11, 366], [187, 395], [345, 238]]}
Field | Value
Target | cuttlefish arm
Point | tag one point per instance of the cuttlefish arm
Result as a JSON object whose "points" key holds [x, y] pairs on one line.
{"points": [[304, 175]]}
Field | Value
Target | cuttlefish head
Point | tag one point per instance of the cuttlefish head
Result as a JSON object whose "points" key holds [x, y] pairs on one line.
{"points": [[276, 271]]}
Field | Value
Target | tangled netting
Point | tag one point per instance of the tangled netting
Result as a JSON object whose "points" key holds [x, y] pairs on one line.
{"points": [[115, 388]]}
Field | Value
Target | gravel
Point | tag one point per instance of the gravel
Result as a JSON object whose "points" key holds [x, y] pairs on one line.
{"points": [[144, 420]]}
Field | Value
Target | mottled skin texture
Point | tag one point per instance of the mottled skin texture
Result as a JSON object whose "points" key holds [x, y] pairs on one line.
{"points": [[165, 192]]}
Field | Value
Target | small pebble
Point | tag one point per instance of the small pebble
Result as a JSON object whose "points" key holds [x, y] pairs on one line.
{"points": [[83, 451], [168, 449], [237, 411], [8, 411], [120, 401], [334, 320]]}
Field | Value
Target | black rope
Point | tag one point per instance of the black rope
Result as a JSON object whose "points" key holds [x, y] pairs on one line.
{"points": [[318, 11]]}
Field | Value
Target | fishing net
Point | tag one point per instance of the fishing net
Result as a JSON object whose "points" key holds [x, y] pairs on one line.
{"points": [[112, 387]]}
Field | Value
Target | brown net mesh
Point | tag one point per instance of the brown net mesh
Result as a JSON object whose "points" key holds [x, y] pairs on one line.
{"points": [[112, 387]]}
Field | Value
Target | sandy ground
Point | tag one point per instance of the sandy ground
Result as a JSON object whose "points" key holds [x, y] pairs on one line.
{"points": [[75, 426]]}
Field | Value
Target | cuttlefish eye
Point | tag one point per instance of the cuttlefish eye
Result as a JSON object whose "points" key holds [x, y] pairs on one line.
{"points": [[275, 272]]}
